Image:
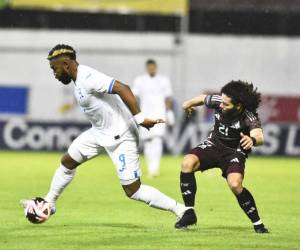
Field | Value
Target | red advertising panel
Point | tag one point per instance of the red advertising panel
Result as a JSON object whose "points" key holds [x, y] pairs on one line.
{"points": [[280, 109]]}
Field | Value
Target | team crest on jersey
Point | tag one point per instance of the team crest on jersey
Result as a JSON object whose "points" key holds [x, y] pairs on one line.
{"points": [[81, 97], [236, 125]]}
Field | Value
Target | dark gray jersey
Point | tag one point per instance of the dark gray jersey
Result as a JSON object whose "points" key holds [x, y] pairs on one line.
{"points": [[227, 131]]}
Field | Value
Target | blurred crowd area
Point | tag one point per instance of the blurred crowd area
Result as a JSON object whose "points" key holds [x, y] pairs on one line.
{"points": [[199, 44], [265, 17]]}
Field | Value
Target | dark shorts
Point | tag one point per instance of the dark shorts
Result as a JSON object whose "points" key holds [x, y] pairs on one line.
{"points": [[212, 156]]}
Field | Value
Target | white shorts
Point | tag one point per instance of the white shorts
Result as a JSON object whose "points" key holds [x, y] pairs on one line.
{"points": [[124, 155]]}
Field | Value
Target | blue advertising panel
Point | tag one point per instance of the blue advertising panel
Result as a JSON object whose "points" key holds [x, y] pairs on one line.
{"points": [[13, 100]]}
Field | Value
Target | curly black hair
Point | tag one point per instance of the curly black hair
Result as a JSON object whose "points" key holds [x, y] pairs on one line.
{"points": [[62, 49], [243, 93]]}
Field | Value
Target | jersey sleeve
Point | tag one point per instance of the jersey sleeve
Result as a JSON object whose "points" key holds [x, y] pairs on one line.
{"points": [[252, 120], [212, 101], [99, 82]]}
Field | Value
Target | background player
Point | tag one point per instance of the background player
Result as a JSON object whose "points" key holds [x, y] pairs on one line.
{"points": [[154, 93], [113, 112], [237, 129]]}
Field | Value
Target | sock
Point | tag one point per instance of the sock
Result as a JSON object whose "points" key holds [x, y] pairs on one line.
{"points": [[62, 177], [247, 203], [154, 198], [188, 188], [153, 151]]}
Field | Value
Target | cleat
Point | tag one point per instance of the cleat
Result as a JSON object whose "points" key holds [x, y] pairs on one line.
{"points": [[52, 209], [260, 229], [25, 202], [188, 218]]}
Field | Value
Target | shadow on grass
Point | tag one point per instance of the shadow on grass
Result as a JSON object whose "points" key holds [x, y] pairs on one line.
{"points": [[99, 225], [123, 225], [227, 228], [217, 230]]}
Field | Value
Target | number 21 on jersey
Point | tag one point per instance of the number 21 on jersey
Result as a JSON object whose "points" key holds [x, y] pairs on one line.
{"points": [[223, 129]]}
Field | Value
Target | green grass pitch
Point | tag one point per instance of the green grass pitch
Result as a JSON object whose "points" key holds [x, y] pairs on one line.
{"points": [[93, 212]]}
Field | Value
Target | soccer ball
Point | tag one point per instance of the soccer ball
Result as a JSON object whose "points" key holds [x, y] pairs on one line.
{"points": [[37, 210]]}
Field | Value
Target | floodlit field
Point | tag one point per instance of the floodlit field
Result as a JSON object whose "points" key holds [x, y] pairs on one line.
{"points": [[93, 212]]}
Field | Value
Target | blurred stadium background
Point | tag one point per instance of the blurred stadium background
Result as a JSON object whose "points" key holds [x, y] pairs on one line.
{"points": [[200, 44]]}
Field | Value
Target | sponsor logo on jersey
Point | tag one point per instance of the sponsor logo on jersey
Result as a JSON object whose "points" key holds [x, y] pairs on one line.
{"points": [[235, 160]]}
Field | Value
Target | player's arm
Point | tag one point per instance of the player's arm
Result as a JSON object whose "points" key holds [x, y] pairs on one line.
{"points": [[255, 139], [170, 117], [189, 105], [129, 99], [258, 136]]}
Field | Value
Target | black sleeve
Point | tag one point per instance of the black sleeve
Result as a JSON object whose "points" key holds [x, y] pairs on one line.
{"points": [[252, 120], [212, 101]]}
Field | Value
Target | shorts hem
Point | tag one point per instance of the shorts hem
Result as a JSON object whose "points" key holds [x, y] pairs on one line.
{"points": [[128, 182]]}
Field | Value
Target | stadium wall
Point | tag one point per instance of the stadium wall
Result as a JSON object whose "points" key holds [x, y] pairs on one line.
{"points": [[22, 134], [202, 64]]}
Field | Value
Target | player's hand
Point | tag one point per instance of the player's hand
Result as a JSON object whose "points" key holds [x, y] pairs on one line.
{"points": [[246, 142], [149, 123], [188, 108]]}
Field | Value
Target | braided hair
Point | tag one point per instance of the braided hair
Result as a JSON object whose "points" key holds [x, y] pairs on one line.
{"points": [[62, 50]]}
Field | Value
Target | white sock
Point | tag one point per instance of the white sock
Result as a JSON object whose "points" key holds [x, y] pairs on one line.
{"points": [[257, 223], [154, 198], [153, 151], [62, 177]]}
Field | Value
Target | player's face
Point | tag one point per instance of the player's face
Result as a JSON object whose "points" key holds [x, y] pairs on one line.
{"points": [[151, 69], [60, 71], [227, 107]]}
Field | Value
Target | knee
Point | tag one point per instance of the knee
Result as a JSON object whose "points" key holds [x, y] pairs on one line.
{"points": [[132, 188], [69, 162], [236, 186], [129, 193], [190, 164]]}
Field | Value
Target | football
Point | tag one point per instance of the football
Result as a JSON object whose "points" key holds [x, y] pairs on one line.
{"points": [[37, 210]]}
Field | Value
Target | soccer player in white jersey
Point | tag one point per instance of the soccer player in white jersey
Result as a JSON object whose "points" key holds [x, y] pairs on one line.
{"points": [[154, 93], [114, 114]]}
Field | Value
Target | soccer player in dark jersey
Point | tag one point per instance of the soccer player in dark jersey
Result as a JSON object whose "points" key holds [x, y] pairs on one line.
{"points": [[236, 130]]}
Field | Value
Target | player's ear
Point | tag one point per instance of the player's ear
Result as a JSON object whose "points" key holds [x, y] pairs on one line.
{"points": [[239, 106], [65, 65]]}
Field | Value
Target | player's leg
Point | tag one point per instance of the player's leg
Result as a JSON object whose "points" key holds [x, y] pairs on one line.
{"points": [[153, 149], [153, 197], [126, 159], [63, 175], [188, 188], [188, 184], [202, 157], [245, 199], [82, 149]]}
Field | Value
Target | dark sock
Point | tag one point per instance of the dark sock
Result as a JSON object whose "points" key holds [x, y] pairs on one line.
{"points": [[247, 203], [188, 188]]}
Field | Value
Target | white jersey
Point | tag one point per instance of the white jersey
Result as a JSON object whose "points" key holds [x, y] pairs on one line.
{"points": [[109, 116], [152, 92]]}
